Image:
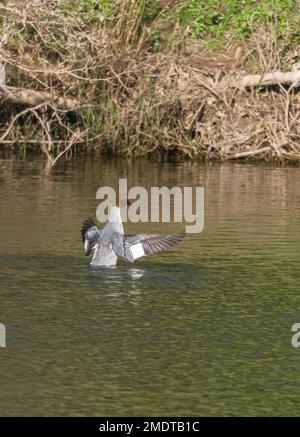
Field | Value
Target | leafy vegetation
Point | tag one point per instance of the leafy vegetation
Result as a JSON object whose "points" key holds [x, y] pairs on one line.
{"points": [[131, 65], [239, 18]]}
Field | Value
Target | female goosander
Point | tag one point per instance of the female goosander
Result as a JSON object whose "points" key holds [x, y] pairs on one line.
{"points": [[110, 242]]}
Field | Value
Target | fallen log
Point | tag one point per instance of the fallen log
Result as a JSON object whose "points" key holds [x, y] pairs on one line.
{"points": [[248, 153], [2, 75], [274, 78], [30, 97]]}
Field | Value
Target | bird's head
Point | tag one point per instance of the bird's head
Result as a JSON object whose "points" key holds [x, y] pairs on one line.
{"points": [[92, 238]]}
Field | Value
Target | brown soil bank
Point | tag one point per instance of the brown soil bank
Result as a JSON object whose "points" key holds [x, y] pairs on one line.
{"points": [[138, 78]]}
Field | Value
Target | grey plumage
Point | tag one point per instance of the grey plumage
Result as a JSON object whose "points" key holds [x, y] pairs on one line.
{"points": [[111, 242], [90, 235], [149, 243]]}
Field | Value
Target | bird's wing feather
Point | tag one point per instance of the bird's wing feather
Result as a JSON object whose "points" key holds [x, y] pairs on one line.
{"points": [[117, 241], [86, 226], [138, 245]]}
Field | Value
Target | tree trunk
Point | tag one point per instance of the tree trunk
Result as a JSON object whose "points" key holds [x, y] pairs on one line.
{"points": [[33, 98], [274, 78]]}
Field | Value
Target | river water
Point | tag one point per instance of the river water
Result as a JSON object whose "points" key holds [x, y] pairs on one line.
{"points": [[204, 329]]}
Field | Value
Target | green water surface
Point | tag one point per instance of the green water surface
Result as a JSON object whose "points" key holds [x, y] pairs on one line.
{"points": [[204, 329]]}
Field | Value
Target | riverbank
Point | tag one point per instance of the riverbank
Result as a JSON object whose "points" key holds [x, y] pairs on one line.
{"points": [[151, 78]]}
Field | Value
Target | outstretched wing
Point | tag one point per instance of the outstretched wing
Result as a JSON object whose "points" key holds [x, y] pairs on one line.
{"points": [[86, 225], [135, 246], [90, 235]]}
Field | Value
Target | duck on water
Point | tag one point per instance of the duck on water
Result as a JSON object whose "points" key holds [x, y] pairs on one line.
{"points": [[110, 242]]}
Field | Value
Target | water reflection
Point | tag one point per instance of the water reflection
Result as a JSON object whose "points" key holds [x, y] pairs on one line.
{"points": [[202, 329]]}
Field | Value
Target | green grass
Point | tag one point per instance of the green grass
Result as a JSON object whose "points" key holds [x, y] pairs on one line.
{"points": [[149, 8], [215, 20], [211, 21], [87, 6]]}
